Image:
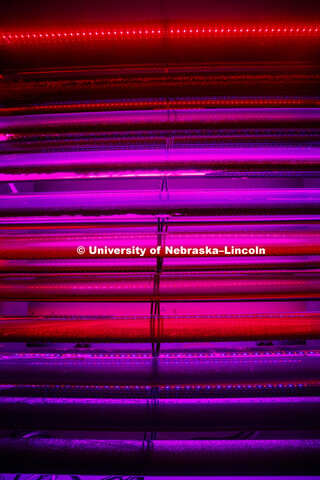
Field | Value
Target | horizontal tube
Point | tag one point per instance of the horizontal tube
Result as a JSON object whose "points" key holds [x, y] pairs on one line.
{"points": [[221, 264], [210, 159], [218, 117], [253, 169], [174, 370], [143, 288], [178, 457], [204, 202], [161, 415], [71, 222], [48, 85], [61, 246], [182, 328], [141, 141]]}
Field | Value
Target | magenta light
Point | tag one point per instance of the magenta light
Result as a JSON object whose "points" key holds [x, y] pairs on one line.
{"points": [[140, 162]]}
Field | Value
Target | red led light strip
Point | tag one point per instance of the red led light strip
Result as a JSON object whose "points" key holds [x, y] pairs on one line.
{"points": [[164, 104], [171, 32]]}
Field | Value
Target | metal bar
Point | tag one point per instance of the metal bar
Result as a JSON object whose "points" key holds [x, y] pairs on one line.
{"points": [[220, 457], [174, 370], [162, 416]]}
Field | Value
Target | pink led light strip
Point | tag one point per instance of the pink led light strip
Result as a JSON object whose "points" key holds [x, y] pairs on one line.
{"points": [[156, 32]]}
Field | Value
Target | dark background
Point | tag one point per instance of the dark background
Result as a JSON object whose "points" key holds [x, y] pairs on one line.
{"points": [[40, 13]]}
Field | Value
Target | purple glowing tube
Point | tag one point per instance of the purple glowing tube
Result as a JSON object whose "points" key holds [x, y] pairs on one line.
{"points": [[185, 160], [185, 202]]}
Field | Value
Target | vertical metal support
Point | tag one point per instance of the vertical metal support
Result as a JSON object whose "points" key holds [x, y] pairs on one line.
{"points": [[155, 317], [155, 303]]}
